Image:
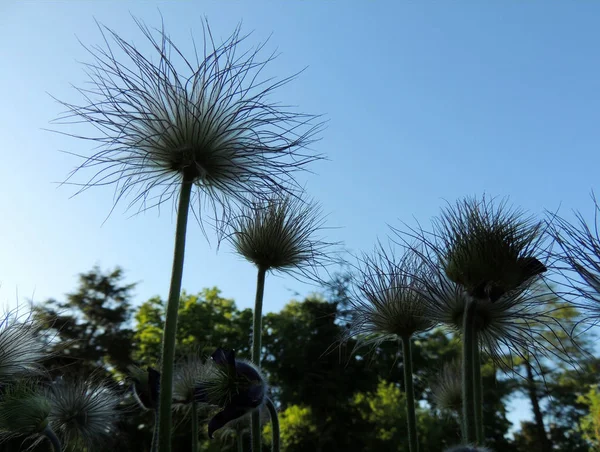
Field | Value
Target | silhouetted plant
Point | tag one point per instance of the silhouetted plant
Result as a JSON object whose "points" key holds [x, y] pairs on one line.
{"points": [[212, 133]]}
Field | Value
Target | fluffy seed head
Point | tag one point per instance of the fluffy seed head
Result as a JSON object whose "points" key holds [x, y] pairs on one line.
{"points": [[188, 375], [280, 234], [208, 120], [387, 303], [518, 323], [580, 251], [447, 387], [487, 248], [21, 350], [83, 412], [23, 410]]}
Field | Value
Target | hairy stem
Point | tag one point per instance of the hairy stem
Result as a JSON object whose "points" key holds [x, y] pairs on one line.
{"points": [[56, 446], [154, 446], [477, 391], [240, 441], [256, 349], [467, 373], [194, 426], [274, 425], [169, 336], [410, 394]]}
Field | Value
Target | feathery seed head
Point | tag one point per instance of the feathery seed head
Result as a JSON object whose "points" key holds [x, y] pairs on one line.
{"points": [[517, 322], [279, 234], [21, 350], [488, 249], [447, 387], [188, 376], [207, 120], [83, 412], [23, 410], [387, 303], [580, 246]]}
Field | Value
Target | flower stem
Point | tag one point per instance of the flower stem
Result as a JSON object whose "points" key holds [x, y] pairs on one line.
{"points": [[467, 373], [274, 425], [240, 441], [169, 336], [477, 391], [410, 394], [194, 426], [53, 439], [154, 446], [256, 349]]}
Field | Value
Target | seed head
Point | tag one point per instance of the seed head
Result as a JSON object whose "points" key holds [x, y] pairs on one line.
{"points": [[83, 412], [517, 323], [387, 303], [280, 234], [579, 245], [207, 120], [488, 249], [188, 376], [24, 411], [21, 350], [447, 387]]}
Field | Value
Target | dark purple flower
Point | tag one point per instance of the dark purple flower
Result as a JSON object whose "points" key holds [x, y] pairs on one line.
{"points": [[146, 388], [238, 389]]}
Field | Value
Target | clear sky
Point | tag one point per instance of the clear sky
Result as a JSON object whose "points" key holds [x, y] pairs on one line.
{"points": [[426, 102]]}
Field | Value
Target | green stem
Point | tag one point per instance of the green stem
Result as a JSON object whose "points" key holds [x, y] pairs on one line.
{"points": [[467, 373], [53, 439], [477, 392], [240, 441], [274, 425], [256, 349], [170, 331], [410, 394], [154, 446], [194, 427]]}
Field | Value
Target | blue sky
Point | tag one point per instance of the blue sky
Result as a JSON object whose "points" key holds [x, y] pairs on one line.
{"points": [[426, 102]]}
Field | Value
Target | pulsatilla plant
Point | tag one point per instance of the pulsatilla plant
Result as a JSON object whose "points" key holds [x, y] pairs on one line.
{"points": [[203, 130], [579, 245], [481, 261], [488, 248], [388, 305], [278, 234]]}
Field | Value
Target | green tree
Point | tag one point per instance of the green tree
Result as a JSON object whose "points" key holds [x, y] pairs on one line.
{"points": [[89, 332], [205, 321]]}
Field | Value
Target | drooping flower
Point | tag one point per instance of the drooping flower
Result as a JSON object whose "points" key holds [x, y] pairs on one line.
{"points": [[145, 387], [207, 119], [489, 249], [83, 412], [235, 386], [281, 233], [388, 303]]}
